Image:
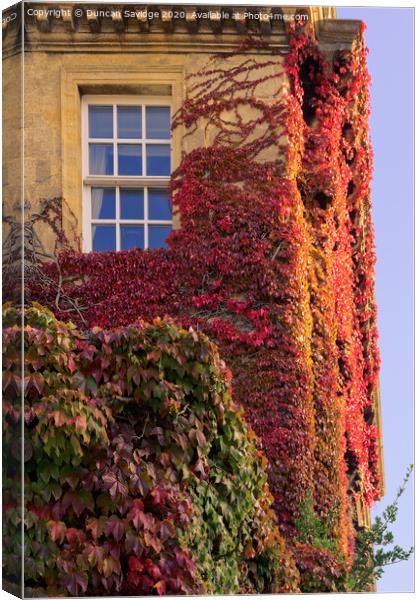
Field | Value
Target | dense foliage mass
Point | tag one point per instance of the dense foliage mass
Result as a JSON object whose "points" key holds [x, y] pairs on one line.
{"points": [[140, 474], [274, 261]]}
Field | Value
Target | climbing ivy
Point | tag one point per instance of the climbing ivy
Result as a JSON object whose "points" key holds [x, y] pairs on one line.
{"points": [[274, 261], [141, 476], [374, 550]]}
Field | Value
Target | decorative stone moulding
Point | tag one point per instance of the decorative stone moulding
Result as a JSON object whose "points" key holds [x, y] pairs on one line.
{"points": [[48, 27]]}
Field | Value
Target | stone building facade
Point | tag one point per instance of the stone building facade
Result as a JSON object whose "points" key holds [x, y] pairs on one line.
{"points": [[71, 52], [62, 59]]}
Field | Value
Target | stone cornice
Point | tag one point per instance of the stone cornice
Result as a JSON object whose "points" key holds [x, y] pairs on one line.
{"points": [[334, 34], [119, 27]]}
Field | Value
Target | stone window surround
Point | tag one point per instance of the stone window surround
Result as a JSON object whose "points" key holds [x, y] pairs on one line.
{"points": [[108, 80], [116, 181]]}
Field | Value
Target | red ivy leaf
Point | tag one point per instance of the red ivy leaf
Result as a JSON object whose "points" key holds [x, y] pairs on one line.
{"points": [[160, 587], [135, 564], [57, 531], [115, 527], [80, 422], [96, 526], [76, 582], [114, 485], [73, 499], [152, 541]]}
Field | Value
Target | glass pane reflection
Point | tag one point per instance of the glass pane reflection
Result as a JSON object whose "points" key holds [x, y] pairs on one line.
{"points": [[158, 235], [132, 236], [129, 122], [100, 122], [132, 204], [158, 122], [159, 205], [129, 159], [103, 238], [103, 203], [101, 159], [158, 159]]}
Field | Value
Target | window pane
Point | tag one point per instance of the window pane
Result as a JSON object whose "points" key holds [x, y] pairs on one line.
{"points": [[159, 205], [132, 204], [158, 122], [158, 235], [158, 159], [103, 238], [103, 203], [101, 159], [100, 122], [129, 159], [129, 122], [132, 236]]}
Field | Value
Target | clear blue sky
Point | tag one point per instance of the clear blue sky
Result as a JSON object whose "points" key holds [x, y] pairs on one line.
{"points": [[389, 37]]}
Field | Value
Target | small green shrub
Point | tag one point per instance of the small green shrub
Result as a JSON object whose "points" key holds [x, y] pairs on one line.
{"points": [[321, 564], [373, 551]]}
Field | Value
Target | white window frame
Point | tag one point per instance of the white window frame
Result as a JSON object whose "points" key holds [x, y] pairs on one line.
{"points": [[120, 181]]}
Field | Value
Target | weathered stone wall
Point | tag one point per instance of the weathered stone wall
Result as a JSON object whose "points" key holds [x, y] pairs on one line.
{"points": [[12, 131], [53, 87], [76, 49]]}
